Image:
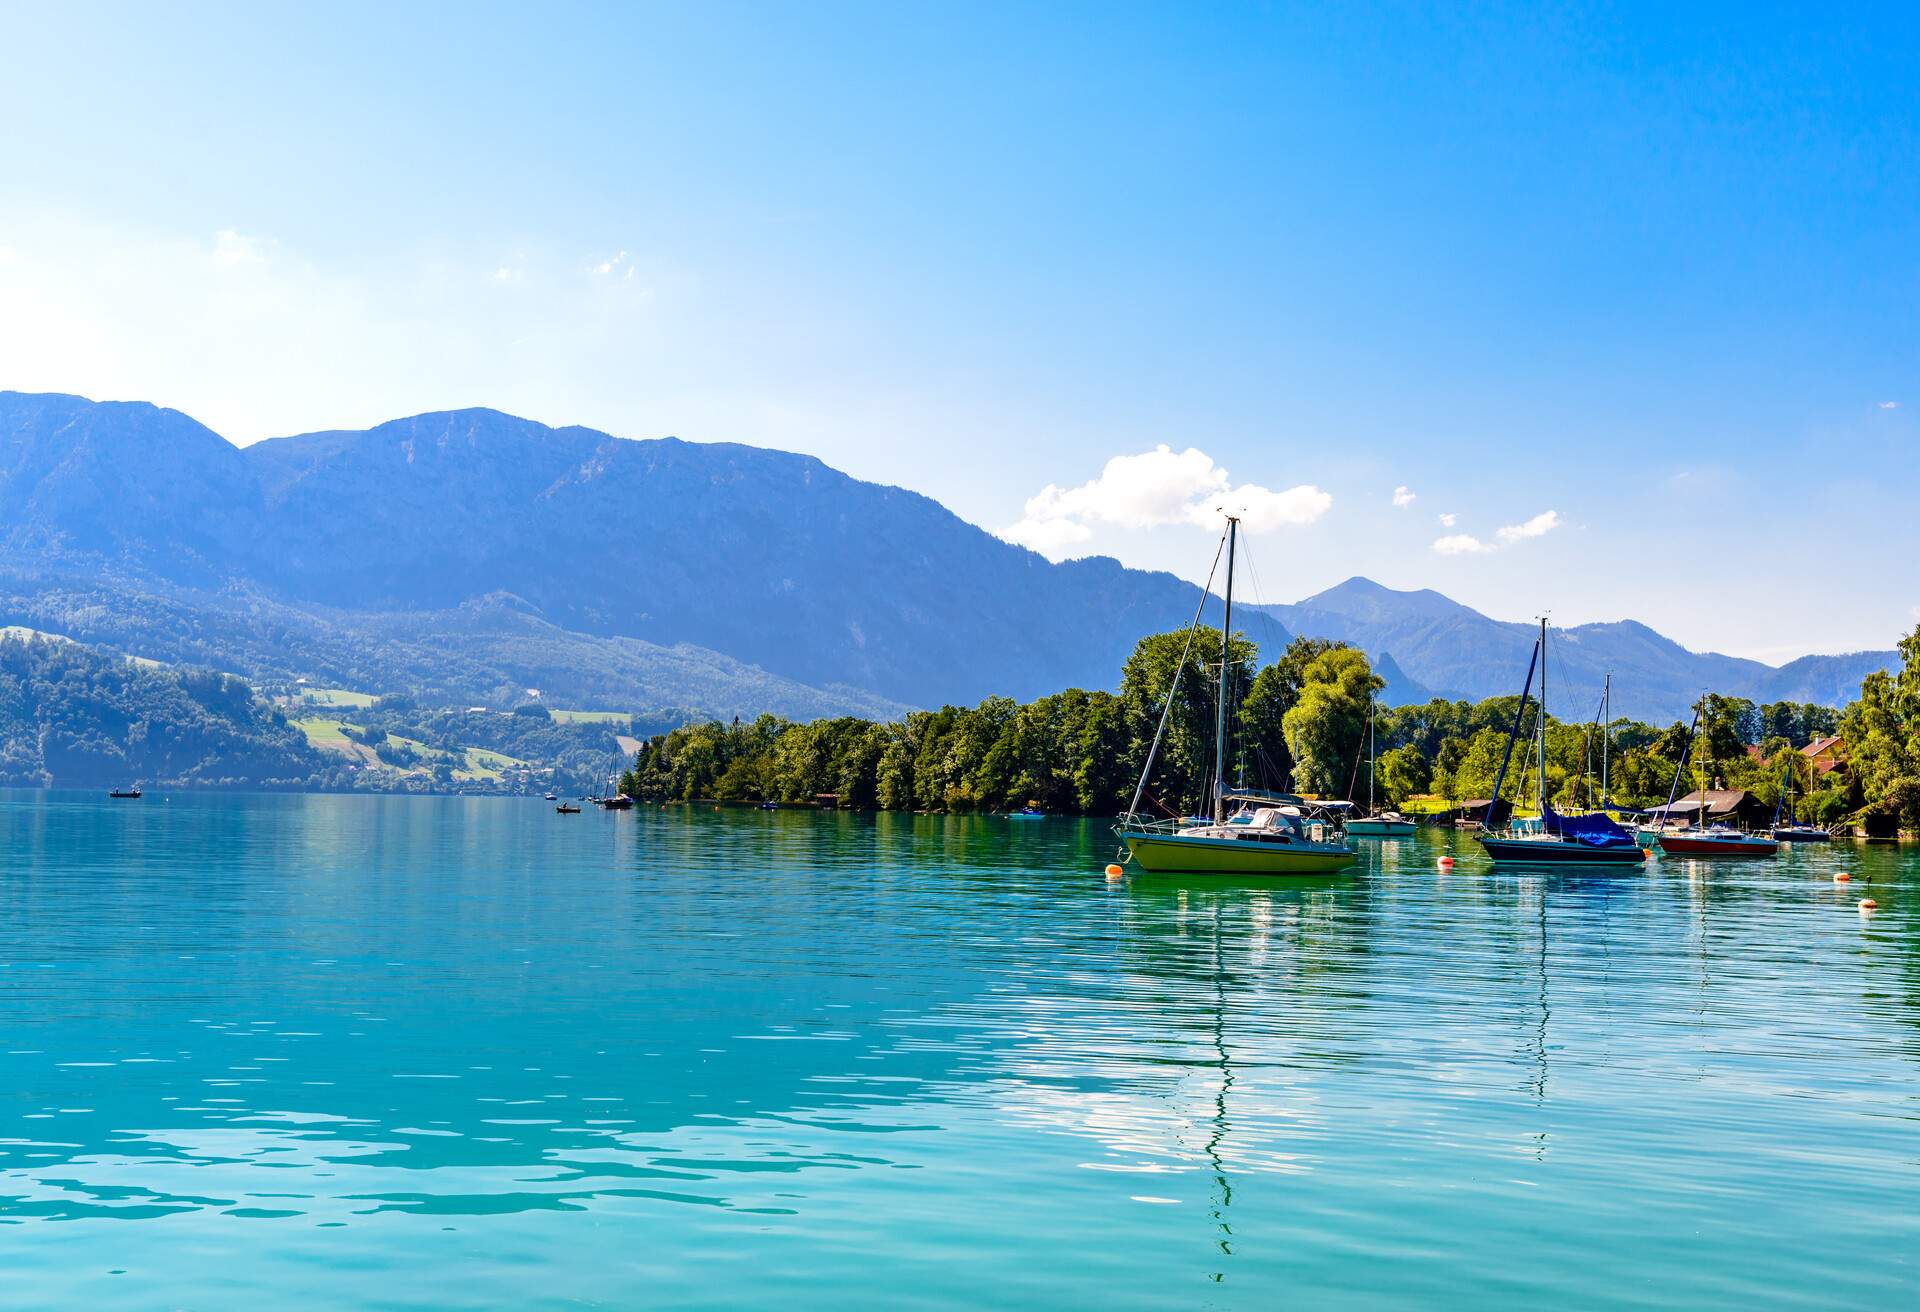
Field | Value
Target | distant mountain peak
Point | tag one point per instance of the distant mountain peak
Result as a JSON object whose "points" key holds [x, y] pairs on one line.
{"points": [[1360, 596], [566, 546]]}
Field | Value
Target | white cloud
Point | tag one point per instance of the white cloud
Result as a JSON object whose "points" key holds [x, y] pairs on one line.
{"points": [[1544, 522], [1889, 405], [1156, 488], [231, 248], [1049, 537], [1465, 544], [1262, 510], [606, 267], [254, 337], [1404, 496]]}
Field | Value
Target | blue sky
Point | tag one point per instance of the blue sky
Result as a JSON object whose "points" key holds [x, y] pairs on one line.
{"points": [[1652, 276]]}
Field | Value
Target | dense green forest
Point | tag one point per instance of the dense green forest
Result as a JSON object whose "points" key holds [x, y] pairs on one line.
{"points": [[1298, 725], [73, 716], [70, 715]]}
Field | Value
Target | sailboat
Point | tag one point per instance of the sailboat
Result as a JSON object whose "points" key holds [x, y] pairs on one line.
{"points": [[1555, 839], [1793, 831], [1387, 824], [613, 801], [1705, 839], [1264, 834]]}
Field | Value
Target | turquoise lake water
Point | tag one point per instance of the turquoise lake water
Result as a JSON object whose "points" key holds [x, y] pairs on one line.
{"points": [[427, 1053]]}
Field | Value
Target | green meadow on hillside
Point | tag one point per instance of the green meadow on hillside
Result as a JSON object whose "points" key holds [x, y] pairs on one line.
{"points": [[621, 718]]}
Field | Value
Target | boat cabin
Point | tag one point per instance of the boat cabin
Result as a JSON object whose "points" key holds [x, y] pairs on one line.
{"points": [[1282, 824]]}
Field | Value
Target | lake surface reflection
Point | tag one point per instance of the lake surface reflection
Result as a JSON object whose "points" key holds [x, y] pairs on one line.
{"points": [[421, 1053]]}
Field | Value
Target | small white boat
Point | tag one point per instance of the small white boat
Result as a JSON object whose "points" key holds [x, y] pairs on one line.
{"points": [[1385, 824], [1388, 824], [1648, 836]]}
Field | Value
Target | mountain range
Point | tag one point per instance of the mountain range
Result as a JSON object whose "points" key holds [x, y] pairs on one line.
{"points": [[1441, 647], [473, 555]]}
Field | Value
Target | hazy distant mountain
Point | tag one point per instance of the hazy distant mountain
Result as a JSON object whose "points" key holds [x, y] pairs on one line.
{"points": [[470, 554], [1458, 652], [784, 581]]}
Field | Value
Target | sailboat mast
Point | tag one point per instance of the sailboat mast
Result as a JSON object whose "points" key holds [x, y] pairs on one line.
{"points": [[1606, 734], [1220, 709], [1540, 787], [1513, 736], [1666, 815], [1372, 761]]}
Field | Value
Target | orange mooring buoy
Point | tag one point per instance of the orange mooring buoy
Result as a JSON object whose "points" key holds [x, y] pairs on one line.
{"points": [[1842, 877], [1446, 863], [1868, 904], [1114, 872]]}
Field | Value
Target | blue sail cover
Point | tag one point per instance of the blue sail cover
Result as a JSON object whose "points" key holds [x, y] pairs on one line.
{"points": [[1594, 830]]}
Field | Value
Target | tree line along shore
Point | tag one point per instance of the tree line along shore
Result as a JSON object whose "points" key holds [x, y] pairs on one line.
{"points": [[76, 716], [1300, 724]]}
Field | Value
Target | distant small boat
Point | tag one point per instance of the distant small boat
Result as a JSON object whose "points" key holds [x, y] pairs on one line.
{"points": [[123, 792], [1386, 824], [1026, 813], [1793, 831], [613, 801], [552, 797], [564, 809], [769, 806], [1648, 836]]}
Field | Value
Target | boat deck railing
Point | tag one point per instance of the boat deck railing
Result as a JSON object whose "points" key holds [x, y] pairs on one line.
{"points": [[1316, 825]]}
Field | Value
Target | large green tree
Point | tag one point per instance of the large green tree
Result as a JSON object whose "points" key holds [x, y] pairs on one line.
{"points": [[1275, 690], [1882, 733], [1183, 771], [1325, 726]]}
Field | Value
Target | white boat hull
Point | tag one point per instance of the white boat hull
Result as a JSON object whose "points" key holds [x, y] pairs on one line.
{"points": [[1374, 827]]}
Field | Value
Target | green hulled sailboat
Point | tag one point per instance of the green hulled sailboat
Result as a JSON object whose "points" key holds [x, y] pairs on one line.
{"points": [[1252, 833]]}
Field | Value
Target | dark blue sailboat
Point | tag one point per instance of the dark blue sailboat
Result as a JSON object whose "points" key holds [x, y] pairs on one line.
{"points": [[1793, 831], [1560, 840]]}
